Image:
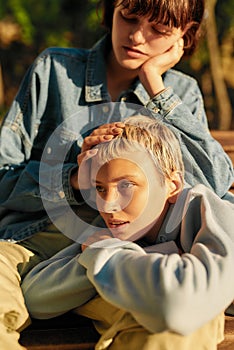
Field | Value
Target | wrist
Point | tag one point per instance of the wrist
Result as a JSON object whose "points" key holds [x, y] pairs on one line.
{"points": [[152, 83]]}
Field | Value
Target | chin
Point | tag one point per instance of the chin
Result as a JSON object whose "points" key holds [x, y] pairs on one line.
{"points": [[130, 65]]}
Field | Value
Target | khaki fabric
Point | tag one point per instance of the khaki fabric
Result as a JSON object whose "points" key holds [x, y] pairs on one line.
{"points": [[15, 261], [119, 330]]}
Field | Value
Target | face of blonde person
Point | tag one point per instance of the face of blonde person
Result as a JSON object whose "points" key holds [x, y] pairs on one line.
{"points": [[131, 203], [135, 39]]}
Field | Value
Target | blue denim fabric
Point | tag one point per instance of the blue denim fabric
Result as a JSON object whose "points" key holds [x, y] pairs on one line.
{"points": [[61, 91]]}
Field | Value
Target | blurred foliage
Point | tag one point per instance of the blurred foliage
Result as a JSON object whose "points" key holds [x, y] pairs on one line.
{"points": [[29, 26]]}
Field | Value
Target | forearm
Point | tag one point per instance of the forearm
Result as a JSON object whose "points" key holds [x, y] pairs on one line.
{"points": [[24, 187], [158, 295], [62, 284], [170, 292]]}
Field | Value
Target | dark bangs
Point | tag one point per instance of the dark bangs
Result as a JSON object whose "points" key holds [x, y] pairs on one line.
{"points": [[184, 14], [172, 13]]}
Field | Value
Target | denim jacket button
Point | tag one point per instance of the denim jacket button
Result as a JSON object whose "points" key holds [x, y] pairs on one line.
{"points": [[156, 110], [80, 141], [49, 150], [61, 194], [105, 109]]}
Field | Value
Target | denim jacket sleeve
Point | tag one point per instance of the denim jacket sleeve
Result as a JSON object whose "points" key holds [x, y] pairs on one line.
{"points": [[183, 112], [22, 143], [52, 90]]}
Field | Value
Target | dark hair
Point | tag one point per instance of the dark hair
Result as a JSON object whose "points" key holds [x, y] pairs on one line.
{"points": [[184, 14]]}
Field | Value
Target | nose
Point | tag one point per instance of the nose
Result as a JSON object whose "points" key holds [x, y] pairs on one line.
{"points": [[111, 207], [137, 36], [110, 202]]}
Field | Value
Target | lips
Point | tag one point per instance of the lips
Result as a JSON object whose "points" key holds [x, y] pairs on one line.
{"points": [[133, 52], [117, 223]]}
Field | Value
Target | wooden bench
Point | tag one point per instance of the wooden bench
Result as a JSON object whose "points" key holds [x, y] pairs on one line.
{"points": [[226, 138], [66, 332], [72, 332]]}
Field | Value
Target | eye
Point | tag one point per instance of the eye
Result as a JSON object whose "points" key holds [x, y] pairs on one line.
{"points": [[125, 186], [161, 31], [100, 189]]}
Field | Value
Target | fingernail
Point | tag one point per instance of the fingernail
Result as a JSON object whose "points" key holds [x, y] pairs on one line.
{"points": [[117, 130], [92, 152], [108, 137]]}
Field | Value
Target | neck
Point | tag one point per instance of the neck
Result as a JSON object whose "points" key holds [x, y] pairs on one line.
{"points": [[153, 231], [118, 78]]}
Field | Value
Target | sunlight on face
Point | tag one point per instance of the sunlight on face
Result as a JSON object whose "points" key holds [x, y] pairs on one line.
{"points": [[129, 195], [135, 39]]}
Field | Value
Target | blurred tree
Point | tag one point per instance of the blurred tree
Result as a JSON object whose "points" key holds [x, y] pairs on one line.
{"points": [[217, 72], [29, 26]]}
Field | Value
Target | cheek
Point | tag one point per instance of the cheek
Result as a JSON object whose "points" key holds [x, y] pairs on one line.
{"points": [[97, 199], [137, 205], [116, 24], [156, 201], [161, 45], [118, 37], [103, 215], [158, 47]]}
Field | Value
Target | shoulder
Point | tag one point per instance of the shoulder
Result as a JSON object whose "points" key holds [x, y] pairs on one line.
{"points": [[180, 81], [62, 56], [206, 201], [206, 217], [180, 76]]}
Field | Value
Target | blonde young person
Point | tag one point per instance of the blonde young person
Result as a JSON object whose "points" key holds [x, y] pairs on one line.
{"points": [[159, 274], [130, 65]]}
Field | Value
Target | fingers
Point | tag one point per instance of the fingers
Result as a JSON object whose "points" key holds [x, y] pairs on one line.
{"points": [[181, 42], [174, 54], [111, 125], [96, 237], [84, 156], [108, 129], [177, 50], [91, 141], [83, 178], [104, 133]]}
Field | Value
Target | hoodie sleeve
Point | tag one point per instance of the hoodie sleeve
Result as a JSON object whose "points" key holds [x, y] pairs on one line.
{"points": [[172, 292], [62, 284]]}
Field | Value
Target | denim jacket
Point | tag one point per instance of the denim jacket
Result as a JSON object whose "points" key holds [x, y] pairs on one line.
{"points": [[63, 96]]}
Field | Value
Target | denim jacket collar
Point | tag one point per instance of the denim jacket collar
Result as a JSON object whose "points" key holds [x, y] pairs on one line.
{"points": [[95, 88]]}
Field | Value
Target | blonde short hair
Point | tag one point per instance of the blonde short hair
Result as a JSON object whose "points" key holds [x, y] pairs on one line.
{"points": [[146, 133]]}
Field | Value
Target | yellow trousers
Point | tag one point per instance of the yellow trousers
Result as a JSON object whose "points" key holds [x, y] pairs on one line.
{"points": [[15, 261], [120, 331]]}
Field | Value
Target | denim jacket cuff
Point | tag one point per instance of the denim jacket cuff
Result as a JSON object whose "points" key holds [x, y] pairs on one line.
{"points": [[164, 102], [68, 192]]}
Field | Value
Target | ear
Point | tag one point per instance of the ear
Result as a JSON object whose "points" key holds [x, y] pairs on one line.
{"points": [[175, 185]]}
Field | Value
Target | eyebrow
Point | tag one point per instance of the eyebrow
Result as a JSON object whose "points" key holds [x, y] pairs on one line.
{"points": [[123, 177]]}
